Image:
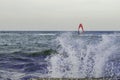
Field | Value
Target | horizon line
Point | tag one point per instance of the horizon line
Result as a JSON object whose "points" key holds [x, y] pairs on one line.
{"points": [[54, 30]]}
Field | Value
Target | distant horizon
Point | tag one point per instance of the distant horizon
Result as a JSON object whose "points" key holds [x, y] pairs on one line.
{"points": [[58, 30]]}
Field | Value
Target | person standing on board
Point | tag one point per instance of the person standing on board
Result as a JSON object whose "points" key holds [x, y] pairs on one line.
{"points": [[80, 26]]}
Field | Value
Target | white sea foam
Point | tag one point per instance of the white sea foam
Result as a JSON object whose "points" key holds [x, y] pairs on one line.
{"points": [[81, 57]]}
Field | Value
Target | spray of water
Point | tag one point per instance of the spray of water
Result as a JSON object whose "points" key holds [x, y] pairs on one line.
{"points": [[82, 56]]}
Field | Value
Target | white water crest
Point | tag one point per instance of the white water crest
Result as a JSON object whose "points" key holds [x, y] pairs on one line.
{"points": [[83, 56]]}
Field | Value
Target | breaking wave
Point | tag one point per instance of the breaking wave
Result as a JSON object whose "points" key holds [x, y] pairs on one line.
{"points": [[86, 56]]}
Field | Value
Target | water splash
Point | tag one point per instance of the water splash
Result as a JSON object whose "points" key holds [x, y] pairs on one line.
{"points": [[83, 56]]}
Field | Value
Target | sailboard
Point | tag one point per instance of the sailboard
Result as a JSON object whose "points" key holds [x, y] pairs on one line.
{"points": [[80, 27]]}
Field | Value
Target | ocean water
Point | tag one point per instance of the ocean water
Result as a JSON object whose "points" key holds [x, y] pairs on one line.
{"points": [[59, 54]]}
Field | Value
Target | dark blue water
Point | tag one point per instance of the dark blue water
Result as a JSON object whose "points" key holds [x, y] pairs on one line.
{"points": [[29, 54]]}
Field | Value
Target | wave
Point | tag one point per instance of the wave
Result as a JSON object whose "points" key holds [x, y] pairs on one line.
{"points": [[12, 75], [36, 54], [85, 56], [23, 66]]}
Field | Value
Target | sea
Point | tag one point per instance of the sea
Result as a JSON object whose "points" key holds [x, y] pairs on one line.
{"points": [[59, 54]]}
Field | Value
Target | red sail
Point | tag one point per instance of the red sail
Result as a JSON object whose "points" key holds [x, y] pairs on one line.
{"points": [[80, 26]]}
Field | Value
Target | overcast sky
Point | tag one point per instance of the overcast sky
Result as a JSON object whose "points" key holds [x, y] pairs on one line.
{"points": [[59, 14]]}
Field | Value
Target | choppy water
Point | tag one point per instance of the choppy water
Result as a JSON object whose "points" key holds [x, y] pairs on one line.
{"points": [[29, 54]]}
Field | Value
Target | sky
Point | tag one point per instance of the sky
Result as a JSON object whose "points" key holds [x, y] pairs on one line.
{"points": [[95, 15]]}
